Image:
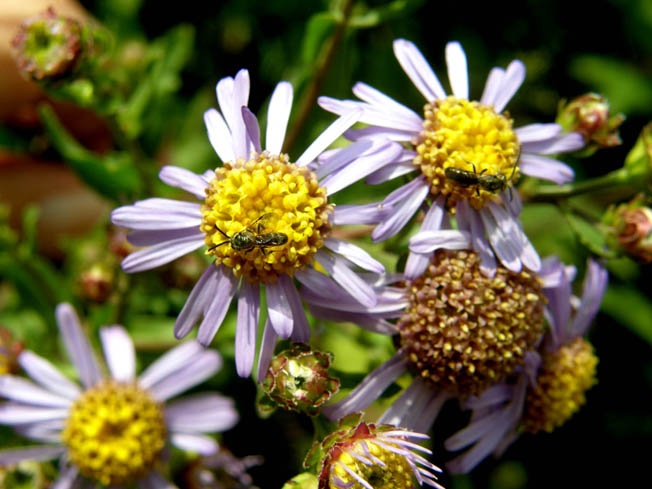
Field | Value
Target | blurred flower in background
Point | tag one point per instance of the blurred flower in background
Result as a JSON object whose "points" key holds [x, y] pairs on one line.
{"points": [[113, 430]]}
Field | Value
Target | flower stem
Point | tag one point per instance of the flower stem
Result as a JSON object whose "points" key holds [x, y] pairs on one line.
{"points": [[312, 91]]}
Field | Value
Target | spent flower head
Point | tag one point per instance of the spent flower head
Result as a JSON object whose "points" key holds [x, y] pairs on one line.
{"points": [[465, 155], [551, 385], [298, 380], [264, 219], [112, 430], [365, 455]]}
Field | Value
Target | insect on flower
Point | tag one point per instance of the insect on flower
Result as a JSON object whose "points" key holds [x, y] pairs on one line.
{"points": [[248, 239], [489, 183]]}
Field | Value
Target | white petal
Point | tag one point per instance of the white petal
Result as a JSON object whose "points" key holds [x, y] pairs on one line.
{"points": [[203, 445], [45, 374], [219, 135], [326, 138], [21, 390], [418, 70], [457, 70], [119, 353], [492, 86], [511, 82], [278, 115]]}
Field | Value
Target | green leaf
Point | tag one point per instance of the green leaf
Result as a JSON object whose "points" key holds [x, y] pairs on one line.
{"points": [[589, 235], [631, 308], [319, 27]]}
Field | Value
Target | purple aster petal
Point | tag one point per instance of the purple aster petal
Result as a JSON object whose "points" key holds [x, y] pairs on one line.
{"points": [[504, 240], [377, 132], [457, 71], [326, 138], [511, 82], [369, 389], [170, 362], [147, 219], [279, 310], [21, 390], [36, 454], [198, 301], [342, 157], [418, 70], [405, 410], [469, 220], [370, 322], [374, 97], [347, 278], [546, 168], [195, 371], [514, 204], [253, 130], [12, 413], [562, 143], [278, 114], [247, 326], [450, 239], [354, 254], [77, 345], [403, 212], [162, 253], [418, 262], [266, 351], [529, 256], [201, 444], [362, 166], [45, 374], [301, 329], [222, 295], [184, 179], [537, 132], [42, 431], [492, 396], [154, 480], [119, 353], [68, 478], [492, 86], [201, 413], [219, 135], [231, 96], [154, 237], [359, 214], [390, 172], [377, 116], [595, 285]]}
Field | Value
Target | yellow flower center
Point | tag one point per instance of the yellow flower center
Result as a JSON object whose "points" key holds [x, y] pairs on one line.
{"points": [[467, 151], [564, 377], [114, 432], [396, 474], [464, 331], [265, 217]]}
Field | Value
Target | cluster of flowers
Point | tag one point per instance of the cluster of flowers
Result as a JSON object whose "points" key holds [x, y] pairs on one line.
{"points": [[469, 310]]}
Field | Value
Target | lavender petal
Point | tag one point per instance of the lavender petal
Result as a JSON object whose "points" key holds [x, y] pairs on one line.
{"points": [[537, 132], [402, 213], [347, 279], [326, 138], [374, 97], [252, 127], [225, 288], [354, 254], [219, 135], [511, 82], [162, 253], [266, 351], [46, 375], [562, 143], [201, 444], [12, 413], [184, 179], [170, 362], [119, 353], [245, 335], [198, 301], [201, 413], [36, 454], [278, 115], [418, 70], [457, 70], [450, 239], [595, 285], [505, 243], [546, 168], [279, 310], [492, 86], [23, 391]]}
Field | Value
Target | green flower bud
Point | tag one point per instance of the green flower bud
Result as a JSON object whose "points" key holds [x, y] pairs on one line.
{"points": [[630, 226], [297, 379], [96, 283], [589, 115], [48, 46]]}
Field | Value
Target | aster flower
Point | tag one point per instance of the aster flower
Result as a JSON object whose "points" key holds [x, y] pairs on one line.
{"points": [[466, 154], [550, 387], [112, 430], [365, 455], [458, 331], [257, 195]]}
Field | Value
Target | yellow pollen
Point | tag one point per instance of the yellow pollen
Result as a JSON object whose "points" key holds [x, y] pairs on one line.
{"points": [[397, 473], [490, 322], [115, 432], [565, 375], [460, 134], [265, 217]]}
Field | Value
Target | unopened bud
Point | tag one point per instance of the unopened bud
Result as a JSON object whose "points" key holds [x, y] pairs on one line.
{"points": [[297, 379], [589, 115], [9, 351], [96, 283], [631, 226], [48, 45]]}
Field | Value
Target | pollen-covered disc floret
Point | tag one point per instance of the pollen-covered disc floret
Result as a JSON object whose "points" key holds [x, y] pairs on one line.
{"points": [[115, 432], [464, 331], [265, 217], [461, 134], [565, 375], [366, 456]]}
